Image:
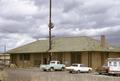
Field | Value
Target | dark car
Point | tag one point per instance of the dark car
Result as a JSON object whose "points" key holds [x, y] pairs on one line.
{"points": [[103, 69]]}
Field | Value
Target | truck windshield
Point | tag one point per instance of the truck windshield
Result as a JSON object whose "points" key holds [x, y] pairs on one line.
{"points": [[52, 62]]}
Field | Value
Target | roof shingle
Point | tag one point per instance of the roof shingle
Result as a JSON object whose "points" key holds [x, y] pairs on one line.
{"points": [[65, 44]]}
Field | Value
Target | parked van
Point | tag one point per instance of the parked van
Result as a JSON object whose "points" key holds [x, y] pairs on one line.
{"points": [[111, 66]]}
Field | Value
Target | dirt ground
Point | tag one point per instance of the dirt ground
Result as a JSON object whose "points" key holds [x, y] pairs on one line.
{"points": [[37, 75]]}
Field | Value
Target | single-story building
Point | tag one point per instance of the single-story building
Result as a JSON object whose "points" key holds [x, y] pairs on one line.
{"points": [[67, 50], [4, 57]]}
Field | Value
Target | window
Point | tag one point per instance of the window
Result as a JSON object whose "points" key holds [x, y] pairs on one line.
{"points": [[13, 58], [82, 65], [24, 56], [110, 63], [115, 63], [52, 62], [58, 62], [75, 57], [75, 65]]}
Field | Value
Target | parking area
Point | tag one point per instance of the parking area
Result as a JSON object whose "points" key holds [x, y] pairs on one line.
{"points": [[37, 75]]}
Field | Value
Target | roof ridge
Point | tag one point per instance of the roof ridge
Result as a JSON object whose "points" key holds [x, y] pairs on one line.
{"points": [[69, 37]]}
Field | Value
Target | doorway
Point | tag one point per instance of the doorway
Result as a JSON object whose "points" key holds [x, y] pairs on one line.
{"points": [[75, 57]]}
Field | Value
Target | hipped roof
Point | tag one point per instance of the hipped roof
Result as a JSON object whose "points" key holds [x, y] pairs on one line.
{"points": [[65, 44]]}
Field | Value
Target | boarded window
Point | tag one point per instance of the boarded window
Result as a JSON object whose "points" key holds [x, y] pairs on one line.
{"points": [[25, 57], [76, 57], [37, 62], [13, 58]]}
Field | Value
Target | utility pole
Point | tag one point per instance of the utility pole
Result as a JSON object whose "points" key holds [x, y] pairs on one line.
{"points": [[50, 26], [50, 42]]}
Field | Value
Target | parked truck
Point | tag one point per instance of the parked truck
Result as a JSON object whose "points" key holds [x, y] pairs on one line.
{"points": [[52, 66], [111, 66]]}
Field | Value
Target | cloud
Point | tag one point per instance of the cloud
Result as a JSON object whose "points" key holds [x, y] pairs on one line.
{"points": [[14, 40], [87, 32], [17, 8], [22, 21]]}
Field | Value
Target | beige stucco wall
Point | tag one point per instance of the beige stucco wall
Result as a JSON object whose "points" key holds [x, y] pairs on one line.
{"points": [[17, 59], [114, 55], [24, 63], [104, 57], [84, 58], [57, 56], [32, 59], [67, 58], [96, 59], [36, 59]]}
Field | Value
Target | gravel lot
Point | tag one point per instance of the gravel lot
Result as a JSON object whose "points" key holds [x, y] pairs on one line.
{"points": [[37, 75]]}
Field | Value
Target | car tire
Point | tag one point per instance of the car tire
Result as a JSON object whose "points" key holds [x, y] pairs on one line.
{"points": [[70, 71], [62, 69], [89, 71], [100, 73], [73, 72], [52, 69], [44, 70], [78, 71]]}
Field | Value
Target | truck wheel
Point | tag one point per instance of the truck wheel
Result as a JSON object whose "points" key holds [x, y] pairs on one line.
{"points": [[62, 69], [51, 69], [44, 70], [78, 71], [100, 73], [70, 71]]}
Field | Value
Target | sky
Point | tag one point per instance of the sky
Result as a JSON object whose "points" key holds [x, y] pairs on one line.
{"points": [[24, 21]]}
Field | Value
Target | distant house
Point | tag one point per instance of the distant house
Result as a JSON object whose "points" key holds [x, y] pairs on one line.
{"points": [[68, 50], [4, 57]]}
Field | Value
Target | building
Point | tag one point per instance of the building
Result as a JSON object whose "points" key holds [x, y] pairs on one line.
{"points": [[68, 50], [4, 57]]}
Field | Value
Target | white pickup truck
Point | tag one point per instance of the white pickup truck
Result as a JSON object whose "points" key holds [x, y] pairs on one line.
{"points": [[54, 65]]}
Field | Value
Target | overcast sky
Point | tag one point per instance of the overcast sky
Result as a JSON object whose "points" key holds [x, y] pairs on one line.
{"points": [[23, 21]]}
